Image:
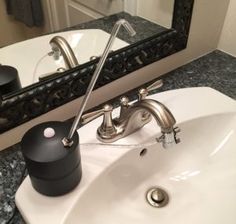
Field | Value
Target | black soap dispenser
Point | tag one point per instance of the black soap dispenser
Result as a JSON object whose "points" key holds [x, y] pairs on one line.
{"points": [[51, 150], [53, 168]]}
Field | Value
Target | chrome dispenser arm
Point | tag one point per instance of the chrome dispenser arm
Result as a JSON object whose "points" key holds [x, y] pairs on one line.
{"points": [[67, 141]]}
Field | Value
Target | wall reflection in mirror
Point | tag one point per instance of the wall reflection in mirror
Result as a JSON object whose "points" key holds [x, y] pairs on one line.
{"points": [[87, 22]]}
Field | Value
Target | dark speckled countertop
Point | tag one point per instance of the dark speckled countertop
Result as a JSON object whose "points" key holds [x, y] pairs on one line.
{"points": [[216, 70], [143, 27]]}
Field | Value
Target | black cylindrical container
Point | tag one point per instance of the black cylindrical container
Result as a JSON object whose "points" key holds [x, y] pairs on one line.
{"points": [[53, 169], [9, 80]]}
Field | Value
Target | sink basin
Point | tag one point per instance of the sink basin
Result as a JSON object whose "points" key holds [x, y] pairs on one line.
{"points": [[31, 60], [199, 174]]}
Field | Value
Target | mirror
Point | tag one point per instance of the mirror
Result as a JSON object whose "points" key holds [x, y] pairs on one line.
{"points": [[159, 34], [89, 22]]}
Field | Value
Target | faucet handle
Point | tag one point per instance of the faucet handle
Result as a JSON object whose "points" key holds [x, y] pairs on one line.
{"points": [[143, 92], [155, 85], [86, 118], [107, 128]]}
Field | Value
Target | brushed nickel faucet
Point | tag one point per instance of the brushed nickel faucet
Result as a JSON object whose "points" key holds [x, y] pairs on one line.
{"points": [[61, 47], [134, 116]]}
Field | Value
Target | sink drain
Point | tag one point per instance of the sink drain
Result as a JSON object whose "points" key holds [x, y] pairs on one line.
{"points": [[157, 197]]}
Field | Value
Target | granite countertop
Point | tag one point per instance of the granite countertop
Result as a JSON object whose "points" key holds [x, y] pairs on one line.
{"points": [[216, 70], [144, 28]]}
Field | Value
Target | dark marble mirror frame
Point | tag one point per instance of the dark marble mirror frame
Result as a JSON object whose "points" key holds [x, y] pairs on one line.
{"points": [[42, 97]]}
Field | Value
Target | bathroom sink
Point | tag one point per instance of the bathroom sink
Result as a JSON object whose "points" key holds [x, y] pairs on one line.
{"points": [[31, 60], [198, 175]]}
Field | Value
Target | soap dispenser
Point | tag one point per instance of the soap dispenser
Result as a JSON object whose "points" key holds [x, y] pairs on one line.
{"points": [[53, 169], [51, 149]]}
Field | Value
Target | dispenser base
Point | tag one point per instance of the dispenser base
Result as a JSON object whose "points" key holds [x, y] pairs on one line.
{"points": [[59, 186]]}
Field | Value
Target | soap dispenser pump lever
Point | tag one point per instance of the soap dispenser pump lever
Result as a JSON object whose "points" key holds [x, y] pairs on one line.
{"points": [[67, 141]]}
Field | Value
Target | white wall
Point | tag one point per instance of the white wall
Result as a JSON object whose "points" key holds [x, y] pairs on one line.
{"points": [[10, 30], [228, 36], [157, 11], [81, 11], [204, 37]]}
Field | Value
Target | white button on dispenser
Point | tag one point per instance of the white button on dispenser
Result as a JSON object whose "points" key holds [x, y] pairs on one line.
{"points": [[49, 132]]}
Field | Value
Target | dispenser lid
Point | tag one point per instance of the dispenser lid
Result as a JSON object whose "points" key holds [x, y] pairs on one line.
{"points": [[43, 143]]}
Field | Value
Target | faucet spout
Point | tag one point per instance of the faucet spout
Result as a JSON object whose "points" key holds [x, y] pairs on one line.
{"points": [[160, 112], [164, 119], [61, 47]]}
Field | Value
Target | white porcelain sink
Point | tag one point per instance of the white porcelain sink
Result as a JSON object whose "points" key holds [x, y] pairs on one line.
{"points": [[25, 55], [199, 174]]}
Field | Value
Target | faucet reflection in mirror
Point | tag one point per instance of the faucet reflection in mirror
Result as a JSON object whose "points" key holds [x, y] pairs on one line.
{"points": [[60, 47]]}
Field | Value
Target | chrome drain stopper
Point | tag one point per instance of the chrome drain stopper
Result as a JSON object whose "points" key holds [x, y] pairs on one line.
{"points": [[157, 197]]}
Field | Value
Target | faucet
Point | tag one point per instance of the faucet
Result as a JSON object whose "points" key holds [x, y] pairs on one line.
{"points": [[61, 47], [67, 141], [134, 116]]}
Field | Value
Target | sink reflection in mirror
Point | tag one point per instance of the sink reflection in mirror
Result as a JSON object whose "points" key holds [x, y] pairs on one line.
{"points": [[31, 57], [88, 18]]}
